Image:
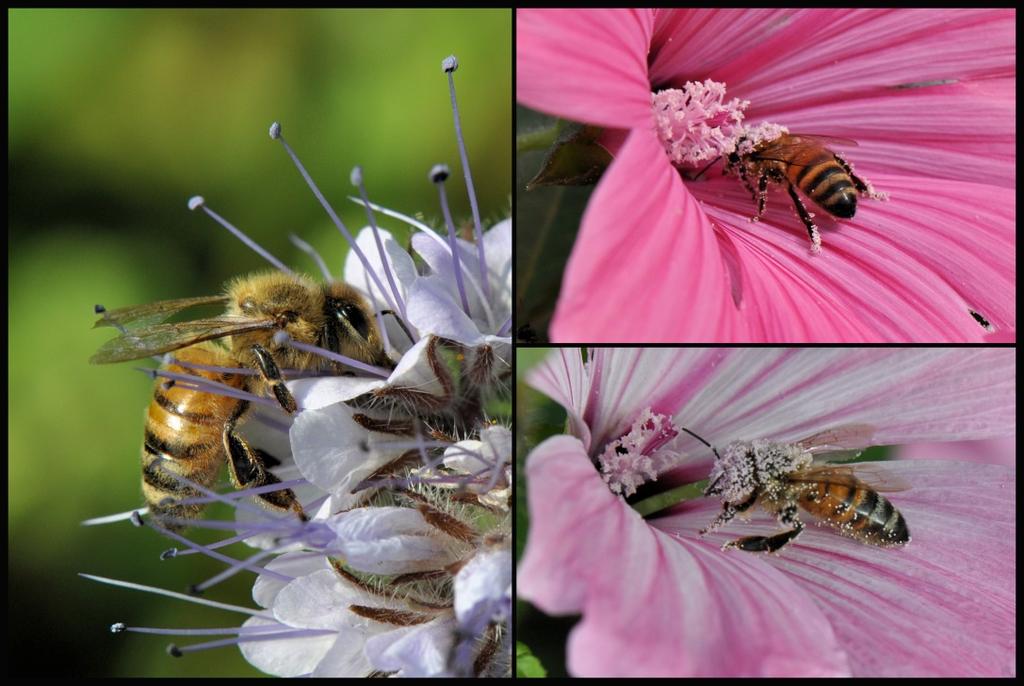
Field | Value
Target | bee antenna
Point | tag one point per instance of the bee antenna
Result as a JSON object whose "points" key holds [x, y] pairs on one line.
{"points": [[710, 490], [699, 174], [713, 449]]}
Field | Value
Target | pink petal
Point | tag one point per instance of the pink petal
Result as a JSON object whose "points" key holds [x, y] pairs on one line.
{"points": [[692, 42], [654, 604], [559, 71], [646, 265], [563, 378], [901, 270], [993, 451], [944, 605], [786, 394]]}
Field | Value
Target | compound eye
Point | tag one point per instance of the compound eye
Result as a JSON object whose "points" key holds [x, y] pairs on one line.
{"points": [[354, 316]]}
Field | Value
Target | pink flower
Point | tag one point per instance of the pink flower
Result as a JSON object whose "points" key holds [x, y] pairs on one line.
{"points": [[656, 599], [929, 96]]}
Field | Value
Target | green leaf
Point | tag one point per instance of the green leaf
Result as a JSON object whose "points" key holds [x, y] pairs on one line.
{"points": [[576, 159], [527, 665], [547, 220]]}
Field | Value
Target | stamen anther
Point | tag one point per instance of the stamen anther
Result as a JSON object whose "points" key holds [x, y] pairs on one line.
{"points": [[439, 173]]}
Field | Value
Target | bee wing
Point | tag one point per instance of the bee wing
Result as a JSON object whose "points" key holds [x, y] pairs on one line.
{"points": [[162, 338], [871, 474], [784, 149], [141, 316], [834, 140], [845, 437]]}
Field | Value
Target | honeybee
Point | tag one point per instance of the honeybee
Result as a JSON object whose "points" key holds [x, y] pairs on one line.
{"points": [[801, 161], [783, 478], [191, 432]]}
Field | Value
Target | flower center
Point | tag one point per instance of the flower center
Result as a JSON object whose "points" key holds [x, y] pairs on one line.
{"points": [[694, 123], [640, 454]]}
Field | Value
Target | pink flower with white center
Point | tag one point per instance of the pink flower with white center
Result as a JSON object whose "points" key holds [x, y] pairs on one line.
{"points": [[928, 96], [656, 598]]}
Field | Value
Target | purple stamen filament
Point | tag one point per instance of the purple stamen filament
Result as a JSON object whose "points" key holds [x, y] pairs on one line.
{"points": [[214, 496], [233, 565], [453, 243], [291, 633], [311, 251], [265, 614], [333, 215], [357, 180], [449, 65], [380, 318], [257, 629], [305, 347], [197, 201], [199, 383], [470, 278]]}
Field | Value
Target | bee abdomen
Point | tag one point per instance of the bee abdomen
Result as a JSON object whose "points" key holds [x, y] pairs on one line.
{"points": [[183, 445], [863, 513], [826, 183]]}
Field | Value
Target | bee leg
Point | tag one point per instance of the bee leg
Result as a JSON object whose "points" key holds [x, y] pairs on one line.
{"points": [[728, 512], [272, 375], [742, 172], [762, 194], [805, 217], [267, 459], [769, 544], [862, 185], [726, 515], [248, 469]]}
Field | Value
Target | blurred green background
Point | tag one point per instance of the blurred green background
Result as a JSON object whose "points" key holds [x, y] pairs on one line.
{"points": [[115, 119]]}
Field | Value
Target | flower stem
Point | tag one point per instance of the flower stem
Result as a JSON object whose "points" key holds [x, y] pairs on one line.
{"points": [[666, 499]]}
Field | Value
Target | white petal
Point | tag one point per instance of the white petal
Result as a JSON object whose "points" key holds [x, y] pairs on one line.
{"points": [[267, 586], [389, 540], [347, 657], [416, 651], [414, 371], [433, 309], [336, 454], [494, 448], [285, 657], [313, 394], [483, 589]]}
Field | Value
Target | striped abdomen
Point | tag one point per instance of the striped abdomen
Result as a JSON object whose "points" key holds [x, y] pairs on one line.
{"points": [[184, 435], [857, 511], [815, 171]]}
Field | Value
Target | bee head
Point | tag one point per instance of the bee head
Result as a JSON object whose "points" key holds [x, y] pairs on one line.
{"points": [[349, 325]]}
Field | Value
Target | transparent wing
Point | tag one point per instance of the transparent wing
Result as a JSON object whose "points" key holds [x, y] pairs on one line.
{"points": [[845, 437], [872, 474], [832, 140], [162, 338], [785, 148], [141, 316]]}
